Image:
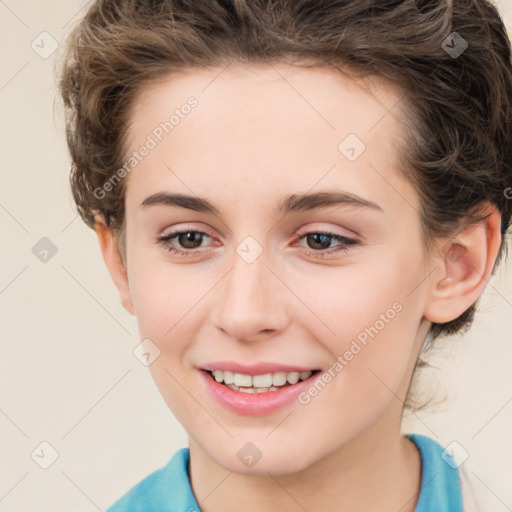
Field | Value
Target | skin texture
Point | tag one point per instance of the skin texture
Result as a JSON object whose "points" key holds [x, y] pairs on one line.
{"points": [[260, 133]]}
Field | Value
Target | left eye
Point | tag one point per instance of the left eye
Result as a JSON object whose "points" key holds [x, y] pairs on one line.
{"points": [[324, 239], [191, 240]]}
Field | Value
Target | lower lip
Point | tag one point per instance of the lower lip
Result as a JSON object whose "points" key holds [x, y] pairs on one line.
{"points": [[254, 404]]}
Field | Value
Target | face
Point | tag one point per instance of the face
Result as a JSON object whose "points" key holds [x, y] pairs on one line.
{"points": [[262, 274]]}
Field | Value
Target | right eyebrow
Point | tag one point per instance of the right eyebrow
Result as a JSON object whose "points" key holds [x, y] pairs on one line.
{"points": [[196, 204]]}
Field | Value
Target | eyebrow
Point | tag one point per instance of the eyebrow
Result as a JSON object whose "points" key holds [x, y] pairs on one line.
{"points": [[292, 203]]}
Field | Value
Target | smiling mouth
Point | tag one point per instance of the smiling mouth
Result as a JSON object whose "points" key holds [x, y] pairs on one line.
{"points": [[269, 382]]}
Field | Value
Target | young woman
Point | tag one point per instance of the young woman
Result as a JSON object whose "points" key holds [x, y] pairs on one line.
{"points": [[294, 198]]}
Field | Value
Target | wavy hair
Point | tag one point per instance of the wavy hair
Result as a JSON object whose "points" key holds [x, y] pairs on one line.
{"points": [[455, 106]]}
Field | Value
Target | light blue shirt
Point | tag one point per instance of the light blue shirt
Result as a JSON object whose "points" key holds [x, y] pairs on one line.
{"points": [[168, 489]]}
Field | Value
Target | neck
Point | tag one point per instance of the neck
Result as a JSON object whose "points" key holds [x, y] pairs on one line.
{"points": [[379, 471]]}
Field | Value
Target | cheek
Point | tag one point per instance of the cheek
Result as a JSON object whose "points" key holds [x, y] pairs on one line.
{"points": [[342, 303], [169, 312], [163, 297], [367, 303], [167, 307], [367, 318], [338, 304]]}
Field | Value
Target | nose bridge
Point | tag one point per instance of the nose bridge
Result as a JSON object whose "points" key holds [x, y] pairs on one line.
{"points": [[247, 287], [250, 301]]}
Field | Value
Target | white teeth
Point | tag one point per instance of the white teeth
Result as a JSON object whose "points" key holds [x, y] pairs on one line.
{"points": [[242, 380], [279, 378], [251, 390], [293, 377], [265, 382], [247, 390], [262, 381], [229, 377]]}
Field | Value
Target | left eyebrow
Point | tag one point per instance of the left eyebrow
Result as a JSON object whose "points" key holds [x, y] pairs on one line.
{"points": [[292, 203], [306, 202]]}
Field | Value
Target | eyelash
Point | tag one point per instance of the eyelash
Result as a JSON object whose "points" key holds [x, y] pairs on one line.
{"points": [[320, 253]]}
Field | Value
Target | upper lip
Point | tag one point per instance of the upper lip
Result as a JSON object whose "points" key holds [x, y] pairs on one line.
{"points": [[254, 369]]}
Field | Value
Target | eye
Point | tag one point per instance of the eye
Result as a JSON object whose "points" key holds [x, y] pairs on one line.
{"points": [[188, 239], [321, 241]]}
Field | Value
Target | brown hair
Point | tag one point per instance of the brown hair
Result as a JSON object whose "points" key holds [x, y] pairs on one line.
{"points": [[455, 107]]}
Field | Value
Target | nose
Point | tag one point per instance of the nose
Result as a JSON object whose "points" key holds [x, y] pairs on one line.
{"points": [[252, 301]]}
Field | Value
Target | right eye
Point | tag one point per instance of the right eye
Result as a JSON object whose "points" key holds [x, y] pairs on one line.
{"points": [[188, 240]]}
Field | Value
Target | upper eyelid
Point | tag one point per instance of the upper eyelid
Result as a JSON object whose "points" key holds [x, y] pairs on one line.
{"points": [[328, 231], [184, 229], [344, 239], [300, 233]]}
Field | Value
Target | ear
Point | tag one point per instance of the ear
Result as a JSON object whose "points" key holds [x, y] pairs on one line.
{"points": [[464, 268], [114, 263]]}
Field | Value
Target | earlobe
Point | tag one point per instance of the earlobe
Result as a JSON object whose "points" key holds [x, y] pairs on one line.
{"points": [[114, 263], [464, 269]]}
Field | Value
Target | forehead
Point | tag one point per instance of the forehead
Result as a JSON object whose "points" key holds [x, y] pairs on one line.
{"points": [[324, 96], [259, 124]]}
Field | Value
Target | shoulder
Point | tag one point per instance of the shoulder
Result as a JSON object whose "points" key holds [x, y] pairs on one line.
{"points": [[440, 482], [165, 489], [451, 478]]}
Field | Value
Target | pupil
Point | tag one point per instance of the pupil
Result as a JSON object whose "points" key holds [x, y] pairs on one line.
{"points": [[186, 238], [315, 237]]}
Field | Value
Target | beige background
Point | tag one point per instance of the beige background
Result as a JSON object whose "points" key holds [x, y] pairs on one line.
{"points": [[68, 376]]}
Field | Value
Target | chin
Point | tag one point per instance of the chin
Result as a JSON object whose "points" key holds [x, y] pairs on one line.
{"points": [[272, 461]]}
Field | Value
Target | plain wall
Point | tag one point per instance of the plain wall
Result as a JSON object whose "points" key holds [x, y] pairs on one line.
{"points": [[67, 373]]}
